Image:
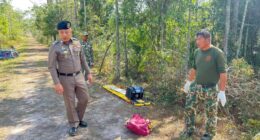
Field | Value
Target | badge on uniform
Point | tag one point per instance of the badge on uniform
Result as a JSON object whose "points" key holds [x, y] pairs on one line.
{"points": [[208, 58], [65, 51], [76, 48], [68, 25]]}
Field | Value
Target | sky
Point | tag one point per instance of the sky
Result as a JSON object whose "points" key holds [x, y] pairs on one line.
{"points": [[26, 4]]}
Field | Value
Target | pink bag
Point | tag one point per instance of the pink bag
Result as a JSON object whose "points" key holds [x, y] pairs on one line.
{"points": [[138, 125]]}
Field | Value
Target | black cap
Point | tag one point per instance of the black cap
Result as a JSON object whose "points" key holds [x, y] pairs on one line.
{"points": [[63, 25]]}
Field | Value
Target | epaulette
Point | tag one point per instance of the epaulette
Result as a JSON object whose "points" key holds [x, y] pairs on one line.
{"points": [[55, 43], [74, 39]]}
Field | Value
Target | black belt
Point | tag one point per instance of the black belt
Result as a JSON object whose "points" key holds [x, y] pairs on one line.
{"points": [[69, 74], [207, 85]]}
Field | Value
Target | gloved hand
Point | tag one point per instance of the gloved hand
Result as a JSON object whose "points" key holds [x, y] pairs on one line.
{"points": [[187, 86], [222, 98]]}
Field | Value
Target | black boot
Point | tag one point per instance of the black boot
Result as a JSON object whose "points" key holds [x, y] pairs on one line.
{"points": [[72, 131], [185, 135], [206, 136], [83, 124]]}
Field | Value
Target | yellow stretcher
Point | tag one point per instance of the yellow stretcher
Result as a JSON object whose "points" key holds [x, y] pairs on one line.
{"points": [[121, 94]]}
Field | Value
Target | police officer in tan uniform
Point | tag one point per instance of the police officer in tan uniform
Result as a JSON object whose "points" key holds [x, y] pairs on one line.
{"points": [[66, 61]]}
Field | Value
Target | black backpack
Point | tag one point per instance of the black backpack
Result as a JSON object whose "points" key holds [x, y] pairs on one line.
{"points": [[134, 93]]}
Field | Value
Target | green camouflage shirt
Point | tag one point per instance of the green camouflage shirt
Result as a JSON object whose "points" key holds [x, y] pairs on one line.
{"points": [[87, 47]]}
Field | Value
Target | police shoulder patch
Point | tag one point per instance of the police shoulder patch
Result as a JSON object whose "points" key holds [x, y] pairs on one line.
{"points": [[76, 43], [74, 39], [68, 25], [55, 43]]}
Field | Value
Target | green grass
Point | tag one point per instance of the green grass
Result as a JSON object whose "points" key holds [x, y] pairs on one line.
{"points": [[7, 68]]}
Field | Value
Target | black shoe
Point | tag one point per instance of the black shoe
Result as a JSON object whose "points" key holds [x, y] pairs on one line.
{"points": [[185, 135], [72, 131], [83, 124], [206, 136]]}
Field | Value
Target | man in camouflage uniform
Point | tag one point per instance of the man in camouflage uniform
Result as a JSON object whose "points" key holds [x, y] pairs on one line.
{"points": [[208, 69], [87, 47]]}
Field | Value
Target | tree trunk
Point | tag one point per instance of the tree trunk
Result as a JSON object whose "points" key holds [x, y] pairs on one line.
{"points": [[227, 26], [85, 16], [103, 60], [163, 11], [188, 39], [117, 68], [76, 13], [9, 19], [49, 2], [58, 2], [67, 6], [71, 10], [246, 42], [235, 19], [125, 49], [241, 30]]}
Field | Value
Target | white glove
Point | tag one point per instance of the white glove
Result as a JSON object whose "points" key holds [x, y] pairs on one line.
{"points": [[222, 98], [187, 86]]}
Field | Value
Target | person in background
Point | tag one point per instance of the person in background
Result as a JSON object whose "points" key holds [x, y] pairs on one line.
{"points": [[87, 47]]}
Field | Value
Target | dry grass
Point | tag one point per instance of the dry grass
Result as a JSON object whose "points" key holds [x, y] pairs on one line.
{"points": [[7, 71]]}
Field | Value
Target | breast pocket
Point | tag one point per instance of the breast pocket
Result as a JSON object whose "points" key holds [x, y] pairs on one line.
{"points": [[63, 55], [76, 51]]}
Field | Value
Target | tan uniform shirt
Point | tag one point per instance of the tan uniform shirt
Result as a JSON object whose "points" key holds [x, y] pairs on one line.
{"points": [[66, 58]]}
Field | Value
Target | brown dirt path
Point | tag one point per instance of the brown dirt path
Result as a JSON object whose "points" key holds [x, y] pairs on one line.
{"points": [[33, 111]]}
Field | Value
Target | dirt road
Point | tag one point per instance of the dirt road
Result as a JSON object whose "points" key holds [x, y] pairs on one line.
{"points": [[33, 111]]}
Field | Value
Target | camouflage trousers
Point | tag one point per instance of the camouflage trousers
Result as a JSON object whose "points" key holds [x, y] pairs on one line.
{"points": [[207, 97]]}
